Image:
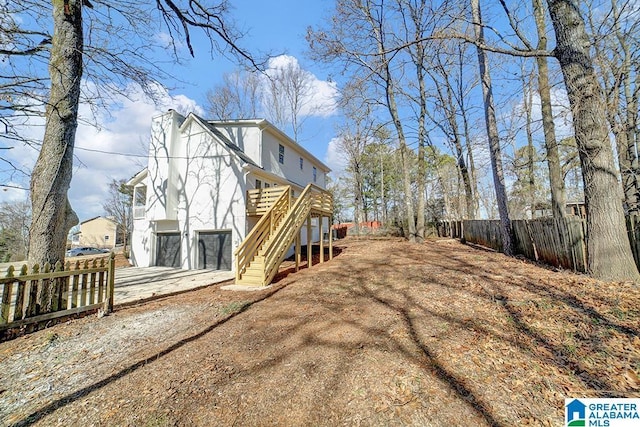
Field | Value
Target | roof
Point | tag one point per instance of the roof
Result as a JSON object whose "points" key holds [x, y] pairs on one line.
{"points": [[137, 178], [210, 125], [97, 217], [230, 145], [265, 124]]}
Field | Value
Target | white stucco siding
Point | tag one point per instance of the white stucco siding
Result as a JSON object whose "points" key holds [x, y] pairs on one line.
{"points": [[141, 242], [210, 191], [161, 194], [246, 137]]}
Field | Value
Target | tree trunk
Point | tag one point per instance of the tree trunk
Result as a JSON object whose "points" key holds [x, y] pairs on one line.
{"points": [[556, 181], [473, 183], [609, 252], [422, 136], [527, 102], [492, 135], [376, 24], [51, 176], [452, 118], [473, 204]]}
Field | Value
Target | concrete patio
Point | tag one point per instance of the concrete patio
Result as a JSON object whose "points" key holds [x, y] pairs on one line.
{"points": [[140, 283]]}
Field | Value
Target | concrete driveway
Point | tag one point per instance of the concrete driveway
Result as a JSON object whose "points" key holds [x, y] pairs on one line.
{"points": [[139, 283]]}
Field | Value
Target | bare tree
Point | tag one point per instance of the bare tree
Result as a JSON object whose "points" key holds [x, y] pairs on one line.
{"points": [[492, 134], [616, 56], [15, 218], [238, 97], [359, 39], [118, 206], [419, 20], [446, 73], [288, 96], [69, 58], [556, 181], [608, 247]]}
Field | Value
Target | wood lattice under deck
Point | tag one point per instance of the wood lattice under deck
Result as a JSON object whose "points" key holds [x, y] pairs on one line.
{"points": [[282, 217]]}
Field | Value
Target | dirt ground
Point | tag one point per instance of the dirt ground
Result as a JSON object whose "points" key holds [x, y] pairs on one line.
{"points": [[387, 333]]}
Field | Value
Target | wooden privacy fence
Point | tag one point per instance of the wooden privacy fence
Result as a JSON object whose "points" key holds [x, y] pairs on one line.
{"points": [[70, 289], [559, 242]]}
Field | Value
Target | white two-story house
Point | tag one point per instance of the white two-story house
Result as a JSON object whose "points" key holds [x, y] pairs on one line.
{"points": [[190, 201]]}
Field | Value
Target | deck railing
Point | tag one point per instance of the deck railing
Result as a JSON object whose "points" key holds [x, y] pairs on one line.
{"points": [[264, 257], [259, 201]]}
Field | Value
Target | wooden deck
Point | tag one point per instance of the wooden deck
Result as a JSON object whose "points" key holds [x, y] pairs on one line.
{"points": [[282, 217]]}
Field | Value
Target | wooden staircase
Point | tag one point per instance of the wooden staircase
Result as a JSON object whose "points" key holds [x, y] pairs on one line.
{"points": [[259, 256]]}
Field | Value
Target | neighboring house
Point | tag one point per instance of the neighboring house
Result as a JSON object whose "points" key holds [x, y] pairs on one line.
{"points": [[190, 207], [99, 232]]}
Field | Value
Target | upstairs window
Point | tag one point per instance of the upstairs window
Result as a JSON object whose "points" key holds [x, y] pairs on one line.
{"points": [[301, 163], [139, 201], [258, 184], [315, 174], [281, 153]]}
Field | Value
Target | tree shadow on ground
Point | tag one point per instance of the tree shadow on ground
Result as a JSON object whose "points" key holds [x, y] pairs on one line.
{"points": [[85, 391]]}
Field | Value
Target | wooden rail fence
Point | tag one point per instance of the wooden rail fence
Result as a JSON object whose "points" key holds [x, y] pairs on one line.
{"points": [[558, 242], [71, 288]]}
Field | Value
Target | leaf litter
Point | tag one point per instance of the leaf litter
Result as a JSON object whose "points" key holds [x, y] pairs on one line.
{"points": [[387, 333]]}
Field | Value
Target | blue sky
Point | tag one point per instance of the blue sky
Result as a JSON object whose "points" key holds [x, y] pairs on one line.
{"points": [[117, 149]]}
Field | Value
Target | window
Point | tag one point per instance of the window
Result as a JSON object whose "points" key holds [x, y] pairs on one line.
{"points": [[267, 185], [301, 163], [258, 184], [139, 201], [106, 238], [315, 174], [281, 153]]}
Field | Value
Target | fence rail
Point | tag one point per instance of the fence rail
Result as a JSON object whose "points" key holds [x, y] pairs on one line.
{"points": [[559, 242], [65, 289]]}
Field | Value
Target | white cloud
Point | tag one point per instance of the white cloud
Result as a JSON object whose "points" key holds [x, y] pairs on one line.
{"points": [[562, 117], [116, 149], [335, 158], [322, 99], [13, 192]]}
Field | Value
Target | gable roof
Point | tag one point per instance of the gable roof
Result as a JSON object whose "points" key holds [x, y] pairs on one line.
{"points": [[226, 141], [263, 124], [97, 217]]}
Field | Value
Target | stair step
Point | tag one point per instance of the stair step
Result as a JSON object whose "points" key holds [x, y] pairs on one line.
{"points": [[254, 268], [252, 274]]}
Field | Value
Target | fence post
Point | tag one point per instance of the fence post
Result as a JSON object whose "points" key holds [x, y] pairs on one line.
{"points": [[108, 303], [6, 298]]}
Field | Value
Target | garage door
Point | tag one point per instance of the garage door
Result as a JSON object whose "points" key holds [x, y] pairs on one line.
{"points": [[214, 250], [168, 250]]}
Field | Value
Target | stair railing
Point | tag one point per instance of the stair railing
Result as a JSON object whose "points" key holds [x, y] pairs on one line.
{"points": [[250, 246], [313, 197]]}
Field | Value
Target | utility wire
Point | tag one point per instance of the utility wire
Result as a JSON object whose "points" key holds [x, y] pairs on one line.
{"points": [[13, 186], [93, 150]]}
